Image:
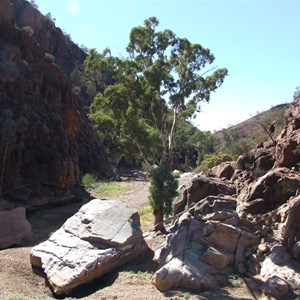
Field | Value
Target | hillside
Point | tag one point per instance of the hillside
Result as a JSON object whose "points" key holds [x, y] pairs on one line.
{"points": [[251, 129]]}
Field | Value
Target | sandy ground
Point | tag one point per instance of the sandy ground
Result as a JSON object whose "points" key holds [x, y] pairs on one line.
{"points": [[19, 282]]}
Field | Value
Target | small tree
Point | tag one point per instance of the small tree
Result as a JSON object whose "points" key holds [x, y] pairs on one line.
{"points": [[163, 189]]}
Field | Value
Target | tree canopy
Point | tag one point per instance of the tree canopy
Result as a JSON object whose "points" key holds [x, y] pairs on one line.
{"points": [[163, 78]]}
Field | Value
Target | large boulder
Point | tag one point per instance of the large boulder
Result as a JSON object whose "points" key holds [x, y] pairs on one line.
{"points": [[273, 189], [199, 188], [14, 227], [100, 237], [279, 262]]}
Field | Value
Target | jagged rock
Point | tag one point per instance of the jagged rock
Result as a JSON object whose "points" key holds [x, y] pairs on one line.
{"points": [[222, 235], [14, 227], [224, 170], [199, 188], [219, 204], [202, 246], [100, 237], [290, 226], [260, 158], [287, 148], [276, 287], [275, 187], [278, 263], [216, 258]]}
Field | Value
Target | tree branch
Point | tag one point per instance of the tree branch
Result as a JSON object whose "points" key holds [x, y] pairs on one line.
{"points": [[267, 131]]}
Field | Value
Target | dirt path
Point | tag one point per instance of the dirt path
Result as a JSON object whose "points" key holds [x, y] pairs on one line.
{"points": [[19, 282]]}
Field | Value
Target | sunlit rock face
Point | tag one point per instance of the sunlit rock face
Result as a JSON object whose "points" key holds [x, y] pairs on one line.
{"points": [[100, 237]]}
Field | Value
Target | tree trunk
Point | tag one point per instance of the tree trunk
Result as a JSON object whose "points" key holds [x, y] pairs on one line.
{"points": [[164, 142], [159, 220], [171, 137]]}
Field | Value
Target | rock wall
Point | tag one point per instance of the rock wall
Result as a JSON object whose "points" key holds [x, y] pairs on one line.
{"points": [[46, 138]]}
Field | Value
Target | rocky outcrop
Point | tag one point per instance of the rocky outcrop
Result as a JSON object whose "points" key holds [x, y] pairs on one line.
{"points": [[288, 146], [269, 191], [252, 228], [102, 236], [199, 188], [203, 246], [14, 227], [46, 138]]}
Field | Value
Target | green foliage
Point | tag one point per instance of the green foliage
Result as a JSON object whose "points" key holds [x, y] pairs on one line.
{"points": [[146, 217], [297, 94], [191, 144], [161, 77], [34, 4], [211, 160], [50, 18], [163, 189], [234, 280], [110, 189], [138, 274], [101, 188], [89, 179]]}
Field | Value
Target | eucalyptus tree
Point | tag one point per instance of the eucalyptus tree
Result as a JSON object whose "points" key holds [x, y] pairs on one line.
{"points": [[163, 77], [175, 73]]}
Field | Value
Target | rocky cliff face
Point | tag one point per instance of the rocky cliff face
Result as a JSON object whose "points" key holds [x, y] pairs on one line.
{"points": [[46, 138]]}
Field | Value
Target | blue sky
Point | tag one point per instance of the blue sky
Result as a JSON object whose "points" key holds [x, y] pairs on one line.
{"points": [[257, 41]]}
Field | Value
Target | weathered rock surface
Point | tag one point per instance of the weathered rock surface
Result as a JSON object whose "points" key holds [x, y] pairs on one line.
{"points": [[46, 139], [273, 189], [14, 227], [287, 148], [199, 188], [252, 228], [100, 237], [203, 245], [279, 262]]}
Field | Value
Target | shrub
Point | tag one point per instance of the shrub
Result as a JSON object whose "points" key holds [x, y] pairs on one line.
{"points": [[88, 179], [211, 160]]}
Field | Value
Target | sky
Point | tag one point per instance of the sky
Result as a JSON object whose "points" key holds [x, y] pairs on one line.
{"points": [[257, 41]]}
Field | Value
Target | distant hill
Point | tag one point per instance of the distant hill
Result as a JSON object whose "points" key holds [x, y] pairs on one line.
{"points": [[250, 128]]}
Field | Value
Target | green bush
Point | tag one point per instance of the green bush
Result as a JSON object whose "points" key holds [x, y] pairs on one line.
{"points": [[88, 179], [163, 190], [211, 160]]}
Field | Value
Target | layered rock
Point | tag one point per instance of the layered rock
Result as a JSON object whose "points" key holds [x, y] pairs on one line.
{"points": [[205, 244], [199, 188], [101, 236], [46, 138], [269, 191]]}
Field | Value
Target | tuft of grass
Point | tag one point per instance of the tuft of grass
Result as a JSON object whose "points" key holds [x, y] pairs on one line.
{"points": [[110, 189], [146, 217], [101, 188], [139, 274], [234, 280]]}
